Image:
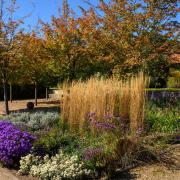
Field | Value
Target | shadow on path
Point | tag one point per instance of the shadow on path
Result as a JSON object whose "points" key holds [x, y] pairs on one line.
{"points": [[125, 175], [38, 109]]}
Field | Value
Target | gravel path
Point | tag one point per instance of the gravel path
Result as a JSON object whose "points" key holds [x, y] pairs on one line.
{"points": [[155, 172], [5, 174], [159, 172], [20, 105]]}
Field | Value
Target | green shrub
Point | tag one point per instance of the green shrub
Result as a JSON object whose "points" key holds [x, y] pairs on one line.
{"points": [[175, 72], [49, 143], [55, 139], [163, 103], [163, 120], [106, 153], [173, 82]]}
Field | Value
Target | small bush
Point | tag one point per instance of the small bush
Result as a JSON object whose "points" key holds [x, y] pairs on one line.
{"points": [[27, 162], [56, 167], [163, 120], [174, 82], [33, 121], [165, 103], [30, 105], [53, 140], [49, 143], [13, 143]]}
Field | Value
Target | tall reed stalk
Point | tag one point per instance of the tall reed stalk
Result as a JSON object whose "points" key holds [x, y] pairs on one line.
{"points": [[124, 99]]}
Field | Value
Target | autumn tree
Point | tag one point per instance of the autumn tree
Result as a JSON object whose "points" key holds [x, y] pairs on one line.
{"points": [[64, 45], [9, 44], [71, 41], [118, 37], [35, 64], [144, 33]]}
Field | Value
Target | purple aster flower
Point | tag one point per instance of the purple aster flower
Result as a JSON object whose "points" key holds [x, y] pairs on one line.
{"points": [[13, 143], [108, 116], [105, 125]]}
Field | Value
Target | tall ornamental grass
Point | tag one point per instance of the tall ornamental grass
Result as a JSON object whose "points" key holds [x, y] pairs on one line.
{"points": [[117, 98]]}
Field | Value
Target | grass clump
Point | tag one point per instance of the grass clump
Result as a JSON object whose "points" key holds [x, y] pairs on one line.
{"points": [[104, 97]]}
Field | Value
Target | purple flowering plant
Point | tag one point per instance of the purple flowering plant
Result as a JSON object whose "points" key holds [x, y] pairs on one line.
{"points": [[113, 126], [93, 157], [101, 125], [13, 143], [91, 152], [109, 122]]}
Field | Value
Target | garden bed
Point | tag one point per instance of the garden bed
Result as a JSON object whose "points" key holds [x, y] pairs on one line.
{"points": [[95, 136], [151, 171]]}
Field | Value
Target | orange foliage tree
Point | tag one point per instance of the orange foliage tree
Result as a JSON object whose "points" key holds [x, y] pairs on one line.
{"points": [[34, 61], [118, 37]]}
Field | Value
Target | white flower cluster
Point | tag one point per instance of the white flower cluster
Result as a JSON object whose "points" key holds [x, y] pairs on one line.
{"points": [[55, 168], [27, 162]]}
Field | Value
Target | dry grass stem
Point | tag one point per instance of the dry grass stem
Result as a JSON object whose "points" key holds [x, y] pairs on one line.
{"points": [[125, 99]]}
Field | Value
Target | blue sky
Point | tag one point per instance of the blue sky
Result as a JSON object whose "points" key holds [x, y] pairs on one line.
{"points": [[44, 9]]}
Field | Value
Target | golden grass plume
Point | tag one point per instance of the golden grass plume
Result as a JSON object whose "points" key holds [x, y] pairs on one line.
{"points": [[125, 99]]}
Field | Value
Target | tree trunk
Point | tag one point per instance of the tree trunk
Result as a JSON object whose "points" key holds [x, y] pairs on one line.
{"points": [[10, 94], [72, 71], [35, 94], [6, 106], [47, 96]]}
